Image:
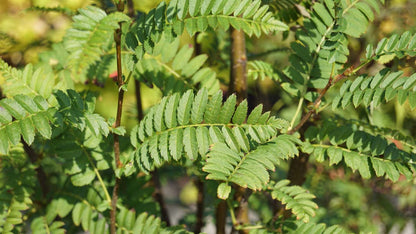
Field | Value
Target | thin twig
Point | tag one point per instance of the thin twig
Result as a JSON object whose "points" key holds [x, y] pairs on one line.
{"points": [[316, 103], [298, 165], [120, 83], [113, 211]]}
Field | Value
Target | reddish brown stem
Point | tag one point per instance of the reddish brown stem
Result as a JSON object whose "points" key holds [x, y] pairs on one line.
{"points": [[120, 83], [113, 211], [298, 166], [316, 103]]}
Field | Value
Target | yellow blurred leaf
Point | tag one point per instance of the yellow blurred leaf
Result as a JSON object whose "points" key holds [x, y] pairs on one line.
{"points": [[386, 58]]}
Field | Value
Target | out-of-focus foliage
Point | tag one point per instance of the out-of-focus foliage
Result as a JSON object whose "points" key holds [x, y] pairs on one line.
{"points": [[58, 60]]}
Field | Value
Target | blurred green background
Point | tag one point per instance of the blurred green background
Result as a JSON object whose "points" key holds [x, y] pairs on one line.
{"points": [[343, 197]]}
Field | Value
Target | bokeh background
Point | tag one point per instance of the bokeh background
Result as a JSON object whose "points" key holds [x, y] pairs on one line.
{"points": [[375, 205]]}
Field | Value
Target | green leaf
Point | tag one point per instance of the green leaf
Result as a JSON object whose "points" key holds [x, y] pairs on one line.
{"points": [[27, 103], [206, 7], [357, 98], [190, 143], [377, 78], [163, 145], [251, 9], [170, 113], [4, 142], [213, 108], [357, 162], [5, 117], [323, 14], [390, 78], [295, 198], [86, 218], [240, 113], [182, 58], [227, 109], [367, 97], [218, 6], [241, 7], [194, 6], [175, 143], [184, 107], [42, 125], [190, 68], [143, 157], [13, 131], [13, 108], [223, 191], [28, 131], [77, 213], [230, 139], [335, 155], [159, 116], [255, 114], [229, 7], [198, 106], [216, 135], [202, 137], [241, 138], [154, 152], [88, 37], [356, 83], [64, 207], [83, 178], [182, 8]]}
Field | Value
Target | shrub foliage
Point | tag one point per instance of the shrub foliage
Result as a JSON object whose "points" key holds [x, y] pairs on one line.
{"points": [[51, 134]]}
